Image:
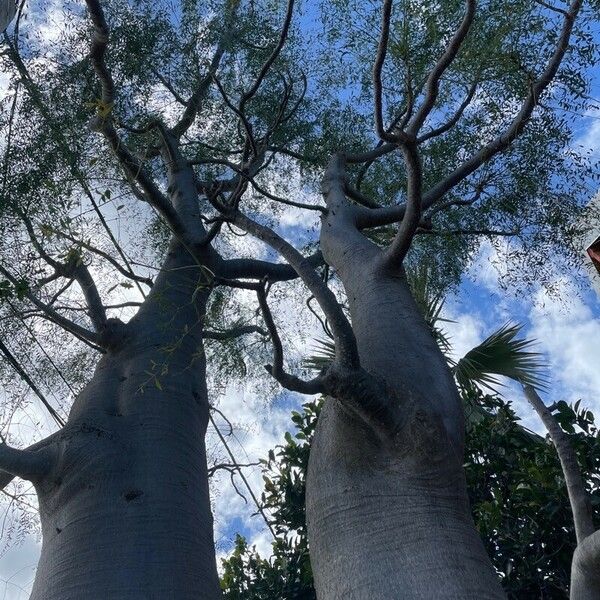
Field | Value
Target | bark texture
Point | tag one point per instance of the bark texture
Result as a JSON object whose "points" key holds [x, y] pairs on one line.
{"points": [[585, 569], [388, 514], [125, 510]]}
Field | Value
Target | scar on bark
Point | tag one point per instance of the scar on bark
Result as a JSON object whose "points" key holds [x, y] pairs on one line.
{"points": [[132, 495]]}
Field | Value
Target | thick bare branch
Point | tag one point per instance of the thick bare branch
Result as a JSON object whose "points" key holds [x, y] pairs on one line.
{"points": [[250, 268], [432, 85], [276, 370], [503, 141], [382, 48], [234, 332], [345, 342], [98, 53], [31, 465], [135, 172], [399, 247]]}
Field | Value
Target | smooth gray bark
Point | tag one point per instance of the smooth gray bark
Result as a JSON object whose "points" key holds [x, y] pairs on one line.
{"points": [[585, 569], [388, 514], [125, 510], [8, 8]]}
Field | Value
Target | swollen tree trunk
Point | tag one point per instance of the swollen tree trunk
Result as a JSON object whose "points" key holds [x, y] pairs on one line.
{"points": [[387, 510], [125, 510]]}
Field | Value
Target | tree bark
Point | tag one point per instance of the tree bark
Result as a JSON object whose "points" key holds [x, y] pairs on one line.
{"points": [[585, 569], [125, 510], [388, 514]]}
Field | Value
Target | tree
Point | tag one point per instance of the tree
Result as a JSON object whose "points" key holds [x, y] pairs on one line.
{"points": [[516, 490], [178, 122], [7, 12], [584, 572]]}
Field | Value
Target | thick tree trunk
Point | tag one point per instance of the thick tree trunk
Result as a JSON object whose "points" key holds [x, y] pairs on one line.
{"points": [[388, 515], [125, 513], [585, 570]]}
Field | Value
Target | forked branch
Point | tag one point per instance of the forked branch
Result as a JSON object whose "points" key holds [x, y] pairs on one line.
{"points": [[78, 331], [432, 85]]}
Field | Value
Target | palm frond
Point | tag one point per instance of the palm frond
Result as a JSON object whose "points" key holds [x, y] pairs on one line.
{"points": [[501, 354], [323, 356], [431, 303]]}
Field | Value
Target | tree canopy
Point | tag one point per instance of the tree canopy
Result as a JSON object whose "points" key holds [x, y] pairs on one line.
{"points": [[134, 131]]}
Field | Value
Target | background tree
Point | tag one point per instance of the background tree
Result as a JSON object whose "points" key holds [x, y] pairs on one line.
{"points": [[516, 489], [142, 137]]}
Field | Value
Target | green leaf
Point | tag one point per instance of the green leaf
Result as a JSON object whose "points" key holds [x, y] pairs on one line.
{"points": [[501, 354]]}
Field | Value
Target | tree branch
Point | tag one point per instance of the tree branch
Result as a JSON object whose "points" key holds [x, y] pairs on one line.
{"points": [[73, 269], [41, 446], [382, 47], [345, 342], [125, 272], [432, 84], [77, 330], [250, 268], [36, 97], [276, 370], [193, 105], [578, 496], [517, 125], [25, 376], [453, 120], [31, 465], [235, 332], [271, 59], [102, 123], [400, 245]]}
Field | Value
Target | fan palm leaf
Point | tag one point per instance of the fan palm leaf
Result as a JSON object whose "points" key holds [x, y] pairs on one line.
{"points": [[501, 354]]}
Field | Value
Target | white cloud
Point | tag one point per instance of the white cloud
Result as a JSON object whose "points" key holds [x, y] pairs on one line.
{"points": [[589, 141], [568, 333]]}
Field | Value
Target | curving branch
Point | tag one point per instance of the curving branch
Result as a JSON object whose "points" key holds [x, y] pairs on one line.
{"points": [[448, 125], [276, 370], [75, 269], [234, 332], [432, 85], [382, 48], [247, 96], [345, 342], [102, 123], [503, 141], [78, 331], [396, 252]]}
